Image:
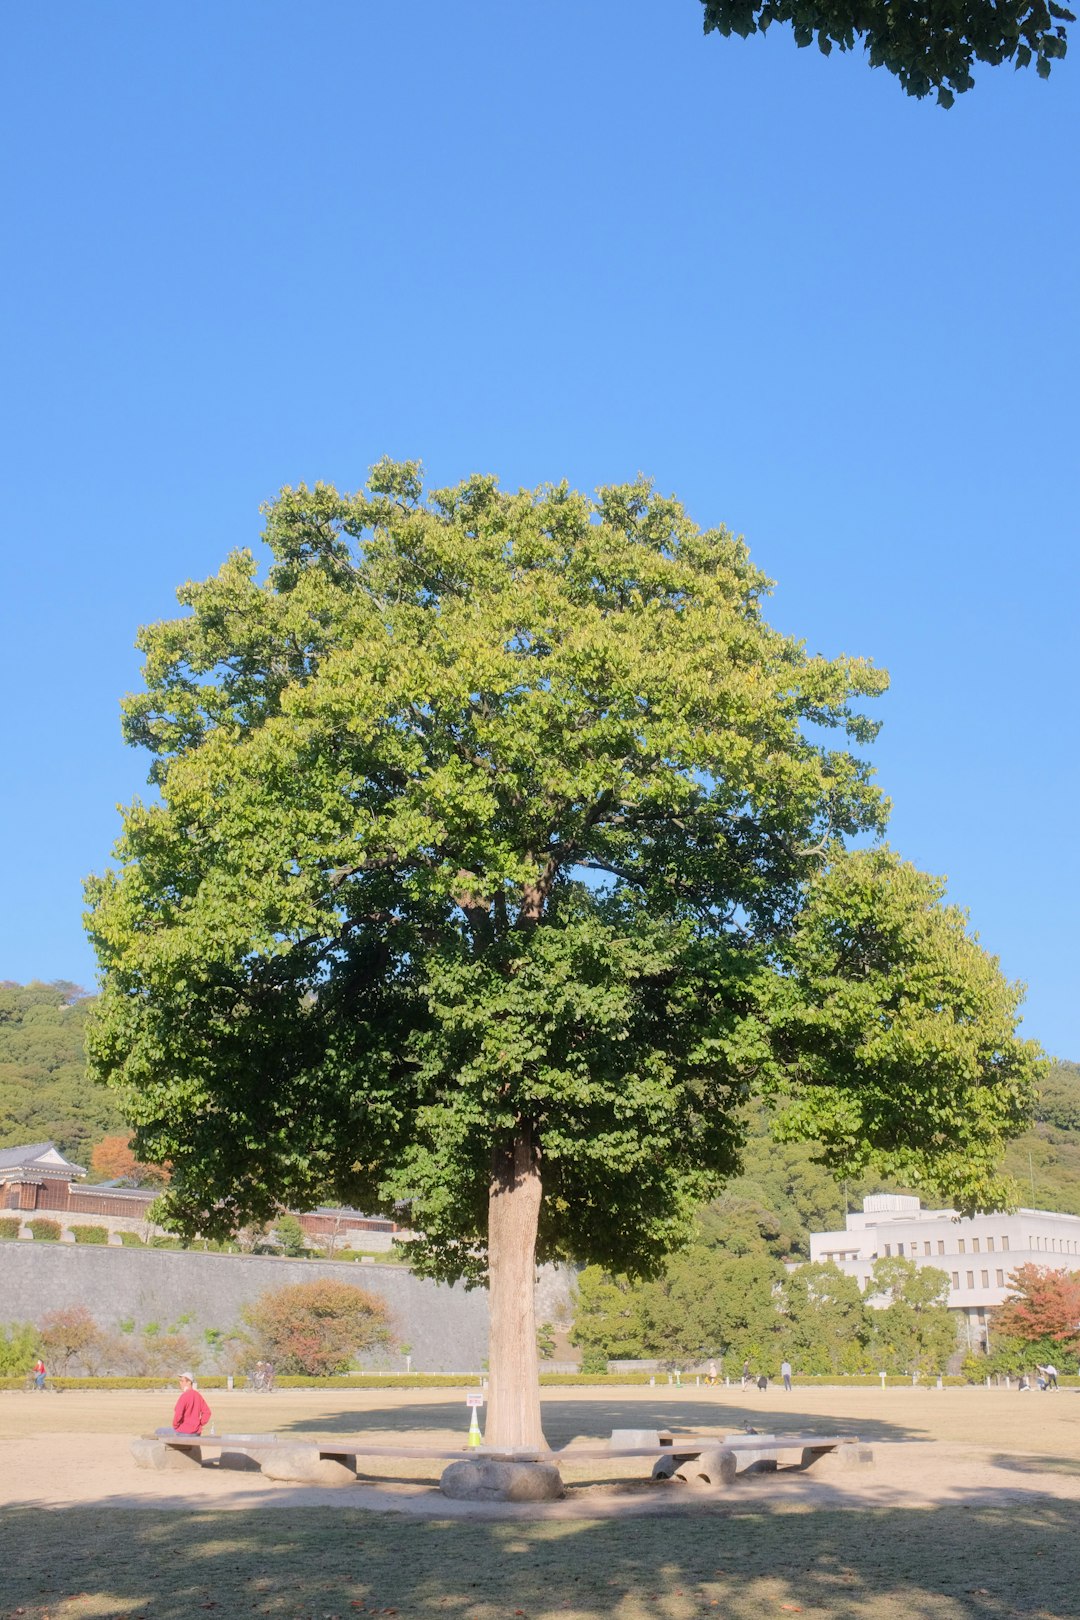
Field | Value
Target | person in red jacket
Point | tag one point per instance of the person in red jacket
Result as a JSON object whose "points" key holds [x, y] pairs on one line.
{"points": [[191, 1411]]}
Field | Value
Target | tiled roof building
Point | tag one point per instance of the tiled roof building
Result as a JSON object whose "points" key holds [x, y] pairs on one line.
{"points": [[37, 1179]]}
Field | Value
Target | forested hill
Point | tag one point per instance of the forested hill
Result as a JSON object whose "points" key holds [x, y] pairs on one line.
{"points": [[1046, 1160], [44, 1092], [783, 1195]]}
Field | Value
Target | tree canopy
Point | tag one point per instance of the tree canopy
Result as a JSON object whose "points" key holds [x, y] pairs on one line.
{"points": [[499, 860], [929, 48]]}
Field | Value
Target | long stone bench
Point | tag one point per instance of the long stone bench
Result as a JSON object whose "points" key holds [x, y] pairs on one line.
{"points": [[699, 1460]]}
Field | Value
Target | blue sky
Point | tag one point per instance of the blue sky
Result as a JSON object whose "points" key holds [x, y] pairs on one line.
{"points": [[255, 243]]}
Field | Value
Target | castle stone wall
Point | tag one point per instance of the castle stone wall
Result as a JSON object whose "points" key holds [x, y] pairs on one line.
{"points": [[446, 1327]]}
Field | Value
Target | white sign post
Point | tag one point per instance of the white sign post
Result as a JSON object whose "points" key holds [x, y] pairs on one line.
{"points": [[474, 1402]]}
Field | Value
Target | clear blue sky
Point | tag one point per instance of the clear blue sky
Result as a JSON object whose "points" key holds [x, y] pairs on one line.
{"points": [[258, 242]]}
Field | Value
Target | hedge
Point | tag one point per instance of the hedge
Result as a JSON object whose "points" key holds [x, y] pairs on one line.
{"points": [[470, 1380], [45, 1230], [219, 1381], [90, 1234], [9, 1226]]}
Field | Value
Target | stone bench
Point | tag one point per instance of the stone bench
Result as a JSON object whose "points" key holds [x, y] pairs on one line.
{"points": [[718, 1462], [699, 1460], [320, 1460]]}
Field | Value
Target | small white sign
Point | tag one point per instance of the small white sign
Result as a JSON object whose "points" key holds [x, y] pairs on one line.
{"points": [[474, 1400]]}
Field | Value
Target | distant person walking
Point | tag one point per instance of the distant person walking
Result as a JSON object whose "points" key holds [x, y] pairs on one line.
{"points": [[785, 1373], [745, 1373], [1050, 1373], [39, 1374], [710, 1376], [191, 1411]]}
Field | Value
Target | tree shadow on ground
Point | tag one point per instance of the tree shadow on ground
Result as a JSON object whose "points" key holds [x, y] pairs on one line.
{"points": [[595, 1419], [1034, 1464], [942, 1564]]}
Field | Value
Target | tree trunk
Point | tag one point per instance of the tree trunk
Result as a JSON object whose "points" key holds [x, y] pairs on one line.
{"points": [[513, 1415]]}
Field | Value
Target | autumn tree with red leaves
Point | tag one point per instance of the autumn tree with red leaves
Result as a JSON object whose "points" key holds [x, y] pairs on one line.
{"points": [[1043, 1309], [316, 1327], [113, 1160], [70, 1339]]}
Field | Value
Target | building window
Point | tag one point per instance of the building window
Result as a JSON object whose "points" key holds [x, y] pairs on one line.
{"points": [[1004, 1245], [974, 1245], [926, 1248], [989, 1245], [888, 1248], [962, 1246], [1000, 1275], [970, 1275], [941, 1245], [899, 1248], [956, 1279], [985, 1278]]}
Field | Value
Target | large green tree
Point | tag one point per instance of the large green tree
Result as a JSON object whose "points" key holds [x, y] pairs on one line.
{"points": [[825, 1326], [930, 48], [914, 1332], [498, 859]]}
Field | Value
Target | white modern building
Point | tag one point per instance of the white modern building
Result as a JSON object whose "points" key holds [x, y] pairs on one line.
{"points": [[977, 1253]]}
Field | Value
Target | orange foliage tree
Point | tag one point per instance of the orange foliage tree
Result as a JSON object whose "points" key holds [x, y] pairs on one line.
{"points": [[1044, 1307], [113, 1160], [316, 1327]]}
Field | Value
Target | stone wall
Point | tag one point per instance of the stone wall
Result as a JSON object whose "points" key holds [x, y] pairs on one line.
{"points": [[445, 1327]]}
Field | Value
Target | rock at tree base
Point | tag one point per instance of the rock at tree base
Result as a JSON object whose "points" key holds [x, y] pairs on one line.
{"points": [[165, 1459], [302, 1465], [484, 1479]]}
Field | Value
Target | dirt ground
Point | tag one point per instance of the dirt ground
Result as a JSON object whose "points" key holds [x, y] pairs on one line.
{"points": [[970, 1511], [932, 1448]]}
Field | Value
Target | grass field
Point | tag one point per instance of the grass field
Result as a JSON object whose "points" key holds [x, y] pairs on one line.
{"points": [[1009, 1548]]}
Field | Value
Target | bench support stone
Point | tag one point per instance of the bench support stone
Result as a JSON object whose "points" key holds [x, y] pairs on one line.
{"points": [[711, 1469], [163, 1459], [842, 1458], [240, 1461], [304, 1466]]}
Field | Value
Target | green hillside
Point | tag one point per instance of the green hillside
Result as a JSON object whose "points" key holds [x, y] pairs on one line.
{"points": [[1045, 1161], [44, 1092]]}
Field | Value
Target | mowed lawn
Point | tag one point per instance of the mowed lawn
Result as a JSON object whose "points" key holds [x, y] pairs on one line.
{"points": [[745, 1560]]}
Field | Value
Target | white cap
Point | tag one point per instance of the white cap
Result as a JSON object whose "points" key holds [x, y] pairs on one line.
{"points": [[189, 1376]]}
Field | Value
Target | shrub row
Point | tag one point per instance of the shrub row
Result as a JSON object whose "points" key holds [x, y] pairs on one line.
{"points": [[218, 1381], [466, 1381], [45, 1230], [90, 1234]]}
